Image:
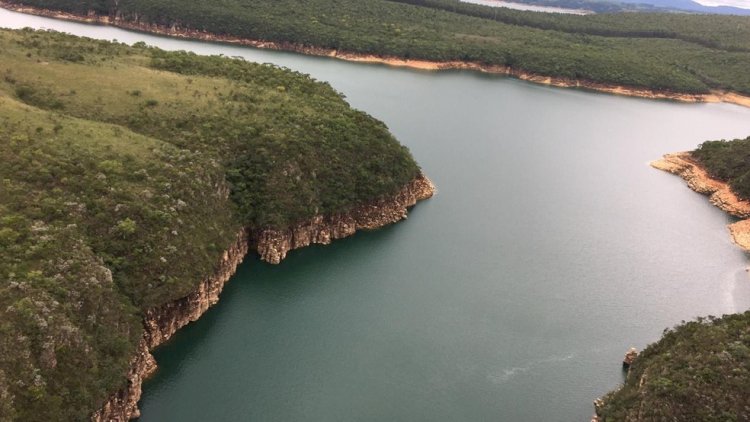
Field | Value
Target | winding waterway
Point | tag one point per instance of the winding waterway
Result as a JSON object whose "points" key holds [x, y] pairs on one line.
{"points": [[550, 249]]}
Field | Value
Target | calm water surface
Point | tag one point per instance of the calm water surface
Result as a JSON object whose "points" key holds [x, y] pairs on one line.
{"points": [[530, 7], [512, 295]]}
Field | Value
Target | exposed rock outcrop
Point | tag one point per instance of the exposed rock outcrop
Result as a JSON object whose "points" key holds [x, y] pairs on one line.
{"points": [[123, 405], [720, 194], [273, 245], [629, 358], [162, 322], [116, 18]]}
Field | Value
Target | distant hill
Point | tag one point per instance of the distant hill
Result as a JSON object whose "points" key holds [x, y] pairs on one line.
{"points": [[692, 6]]}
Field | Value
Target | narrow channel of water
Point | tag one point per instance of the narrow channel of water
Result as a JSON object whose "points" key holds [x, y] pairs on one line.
{"points": [[550, 249]]}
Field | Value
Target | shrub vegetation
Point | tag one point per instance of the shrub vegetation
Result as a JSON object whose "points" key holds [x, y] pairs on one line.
{"points": [[125, 173], [698, 371], [728, 161]]}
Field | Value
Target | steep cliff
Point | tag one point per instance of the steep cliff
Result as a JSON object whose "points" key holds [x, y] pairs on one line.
{"points": [[273, 245], [162, 322], [125, 204], [123, 405]]}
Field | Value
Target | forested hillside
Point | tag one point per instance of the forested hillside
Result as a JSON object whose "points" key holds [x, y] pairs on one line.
{"points": [[698, 371], [671, 52], [126, 173]]}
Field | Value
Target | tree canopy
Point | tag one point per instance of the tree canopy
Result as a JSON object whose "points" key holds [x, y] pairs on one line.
{"points": [[662, 51], [126, 173]]}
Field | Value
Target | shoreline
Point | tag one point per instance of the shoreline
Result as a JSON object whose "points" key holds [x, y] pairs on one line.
{"points": [[719, 193], [714, 96], [162, 322]]}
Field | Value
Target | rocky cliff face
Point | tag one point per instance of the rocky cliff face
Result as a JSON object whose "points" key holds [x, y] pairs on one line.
{"points": [[162, 322], [123, 405], [273, 245], [719, 193]]}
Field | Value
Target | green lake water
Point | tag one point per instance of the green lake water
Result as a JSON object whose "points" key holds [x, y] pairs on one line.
{"points": [[551, 248]]}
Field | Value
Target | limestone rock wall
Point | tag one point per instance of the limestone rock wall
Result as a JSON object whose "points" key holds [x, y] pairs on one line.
{"points": [[162, 322], [273, 245]]}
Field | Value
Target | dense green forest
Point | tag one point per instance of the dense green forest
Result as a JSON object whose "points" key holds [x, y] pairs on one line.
{"points": [[673, 52], [121, 165], [698, 371]]}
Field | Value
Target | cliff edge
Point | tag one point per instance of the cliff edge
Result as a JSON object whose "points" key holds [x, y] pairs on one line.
{"points": [[162, 322], [273, 245], [118, 227]]}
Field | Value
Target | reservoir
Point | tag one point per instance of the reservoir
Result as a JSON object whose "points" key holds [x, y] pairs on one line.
{"points": [[550, 249]]}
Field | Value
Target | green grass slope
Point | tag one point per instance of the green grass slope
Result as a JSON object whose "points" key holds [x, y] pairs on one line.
{"points": [[125, 173], [672, 52]]}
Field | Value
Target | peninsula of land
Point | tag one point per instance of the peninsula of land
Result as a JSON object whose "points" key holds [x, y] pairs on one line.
{"points": [[135, 180]]}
